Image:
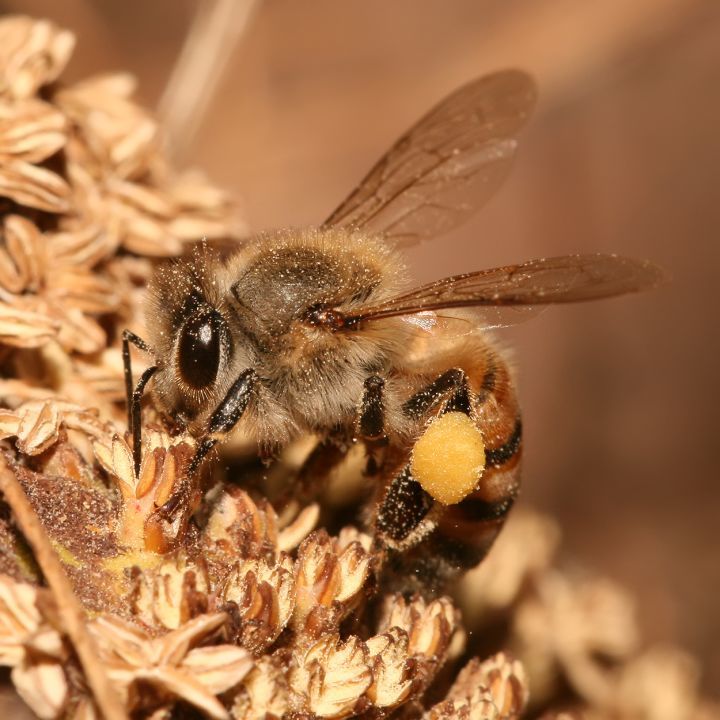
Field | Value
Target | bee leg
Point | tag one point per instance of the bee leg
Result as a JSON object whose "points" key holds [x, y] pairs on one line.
{"points": [[127, 338], [418, 532], [231, 409], [467, 530], [403, 510], [451, 386], [458, 536], [222, 421], [133, 396], [371, 423], [135, 424], [404, 513]]}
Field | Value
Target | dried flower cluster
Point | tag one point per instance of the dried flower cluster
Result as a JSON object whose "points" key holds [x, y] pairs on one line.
{"points": [[235, 612], [87, 195]]}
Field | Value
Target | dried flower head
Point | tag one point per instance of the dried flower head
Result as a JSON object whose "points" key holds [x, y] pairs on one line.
{"points": [[33, 650], [487, 690]]}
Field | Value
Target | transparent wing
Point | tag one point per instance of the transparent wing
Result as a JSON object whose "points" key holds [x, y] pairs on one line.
{"points": [[468, 320], [445, 167], [507, 295]]}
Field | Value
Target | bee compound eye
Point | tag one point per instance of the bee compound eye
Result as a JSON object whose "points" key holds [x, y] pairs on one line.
{"points": [[198, 356]]}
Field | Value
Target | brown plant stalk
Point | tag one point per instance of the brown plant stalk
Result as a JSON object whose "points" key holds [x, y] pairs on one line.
{"points": [[70, 611]]}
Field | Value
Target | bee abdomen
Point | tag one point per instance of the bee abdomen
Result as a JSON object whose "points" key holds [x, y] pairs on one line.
{"points": [[443, 511], [466, 530]]}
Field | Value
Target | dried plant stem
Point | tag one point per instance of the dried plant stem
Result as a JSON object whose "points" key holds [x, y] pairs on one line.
{"points": [[197, 72], [69, 608]]}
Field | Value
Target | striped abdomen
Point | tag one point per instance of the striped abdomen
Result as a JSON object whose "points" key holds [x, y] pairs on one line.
{"points": [[430, 541]]}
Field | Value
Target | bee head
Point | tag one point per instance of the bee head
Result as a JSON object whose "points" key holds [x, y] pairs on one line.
{"points": [[191, 330]]}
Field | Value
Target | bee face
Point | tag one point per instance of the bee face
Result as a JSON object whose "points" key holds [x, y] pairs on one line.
{"points": [[196, 346]]}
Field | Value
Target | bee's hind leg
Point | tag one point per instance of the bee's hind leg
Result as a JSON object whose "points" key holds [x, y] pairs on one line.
{"points": [[403, 516], [451, 386], [429, 539], [407, 515]]}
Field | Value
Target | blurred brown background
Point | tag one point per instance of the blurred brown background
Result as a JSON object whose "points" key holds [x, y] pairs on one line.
{"points": [[623, 155]]}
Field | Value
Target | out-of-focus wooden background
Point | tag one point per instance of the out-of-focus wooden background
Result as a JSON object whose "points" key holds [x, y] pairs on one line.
{"points": [[621, 398]]}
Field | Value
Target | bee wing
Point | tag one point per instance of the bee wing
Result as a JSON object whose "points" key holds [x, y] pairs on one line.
{"points": [[445, 167], [511, 294], [451, 323]]}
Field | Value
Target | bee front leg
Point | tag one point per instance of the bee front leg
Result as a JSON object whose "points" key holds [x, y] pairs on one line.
{"points": [[228, 413], [133, 396], [222, 421]]}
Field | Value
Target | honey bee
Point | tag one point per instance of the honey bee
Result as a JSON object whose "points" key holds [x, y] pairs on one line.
{"points": [[317, 330]]}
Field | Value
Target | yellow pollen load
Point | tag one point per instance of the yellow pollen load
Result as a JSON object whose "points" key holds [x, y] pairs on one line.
{"points": [[449, 458]]}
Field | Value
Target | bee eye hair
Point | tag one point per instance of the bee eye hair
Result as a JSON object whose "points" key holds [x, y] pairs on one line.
{"points": [[199, 348]]}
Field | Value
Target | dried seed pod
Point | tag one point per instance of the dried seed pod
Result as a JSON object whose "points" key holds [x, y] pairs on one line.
{"points": [[171, 594], [660, 684], [81, 244], [101, 377], [32, 649], [34, 53], [164, 461], [22, 258], [24, 328], [524, 550], [495, 689], [238, 527], [264, 692], [36, 424], [330, 678], [43, 686], [264, 593], [429, 625], [295, 532], [120, 136], [564, 628], [31, 130], [171, 664], [75, 288], [392, 667], [34, 186], [328, 582], [20, 621]]}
